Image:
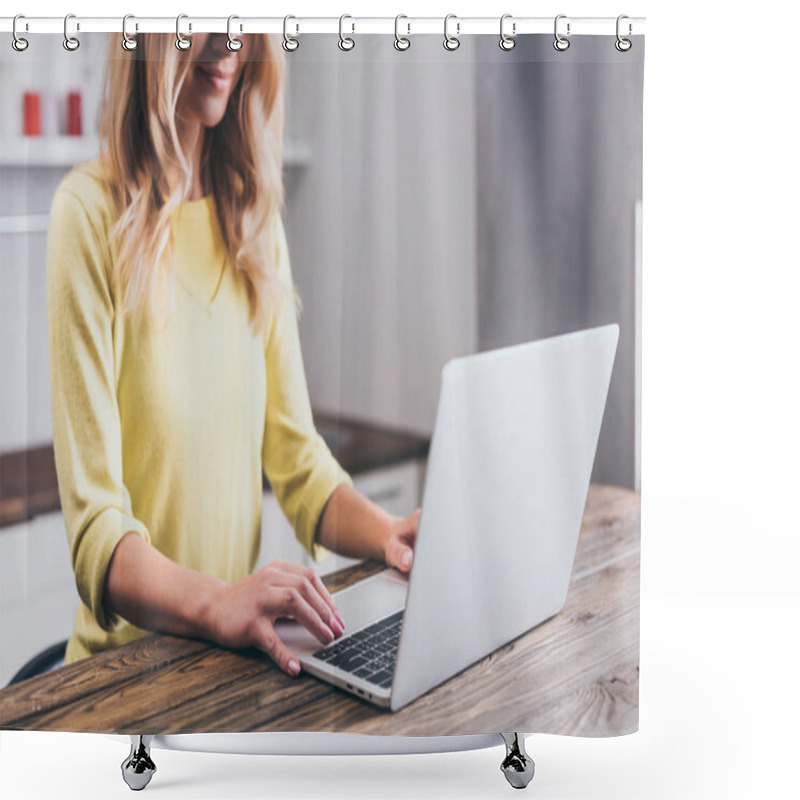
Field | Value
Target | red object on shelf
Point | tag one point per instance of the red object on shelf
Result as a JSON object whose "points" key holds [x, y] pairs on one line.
{"points": [[32, 125], [74, 127]]}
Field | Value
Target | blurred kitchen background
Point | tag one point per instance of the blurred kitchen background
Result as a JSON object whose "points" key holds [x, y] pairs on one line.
{"points": [[438, 204]]}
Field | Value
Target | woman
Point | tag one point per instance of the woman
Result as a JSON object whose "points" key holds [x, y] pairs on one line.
{"points": [[176, 369]]}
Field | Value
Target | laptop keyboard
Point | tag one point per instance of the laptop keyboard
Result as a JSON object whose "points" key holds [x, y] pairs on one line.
{"points": [[369, 653]]}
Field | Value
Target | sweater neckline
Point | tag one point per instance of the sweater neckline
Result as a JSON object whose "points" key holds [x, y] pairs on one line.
{"points": [[196, 209], [191, 216]]}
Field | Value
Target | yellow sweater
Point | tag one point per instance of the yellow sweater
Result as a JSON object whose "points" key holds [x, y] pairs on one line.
{"points": [[165, 431]]}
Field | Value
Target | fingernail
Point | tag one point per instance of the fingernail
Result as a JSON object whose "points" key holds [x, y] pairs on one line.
{"points": [[337, 626], [294, 667], [407, 559], [341, 619], [327, 632]]}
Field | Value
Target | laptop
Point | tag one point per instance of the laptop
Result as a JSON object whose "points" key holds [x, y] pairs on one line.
{"points": [[506, 483]]}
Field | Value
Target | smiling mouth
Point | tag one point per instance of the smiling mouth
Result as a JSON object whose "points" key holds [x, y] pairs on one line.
{"points": [[217, 78]]}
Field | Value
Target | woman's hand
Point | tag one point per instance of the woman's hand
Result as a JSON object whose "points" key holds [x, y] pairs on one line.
{"points": [[243, 614], [354, 526], [399, 547]]}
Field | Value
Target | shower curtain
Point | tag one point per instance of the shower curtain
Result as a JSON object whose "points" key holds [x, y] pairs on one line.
{"points": [[235, 285]]}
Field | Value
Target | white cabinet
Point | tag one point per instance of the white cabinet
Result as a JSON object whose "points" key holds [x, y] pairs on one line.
{"points": [[38, 598], [396, 489]]}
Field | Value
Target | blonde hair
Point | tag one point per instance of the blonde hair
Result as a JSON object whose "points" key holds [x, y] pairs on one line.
{"points": [[149, 176]]}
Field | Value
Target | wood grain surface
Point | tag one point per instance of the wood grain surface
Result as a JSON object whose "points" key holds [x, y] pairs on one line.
{"points": [[577, 673]]}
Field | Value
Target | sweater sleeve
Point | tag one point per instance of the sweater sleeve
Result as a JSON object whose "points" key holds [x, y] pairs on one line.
{"points": [[86, 425], [299, 465]]}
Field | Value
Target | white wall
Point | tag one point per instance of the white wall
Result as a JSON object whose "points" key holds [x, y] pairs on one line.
{"points": [[382, 224]]}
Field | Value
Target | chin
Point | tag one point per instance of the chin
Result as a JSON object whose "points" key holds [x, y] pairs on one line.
{"points": [[212, 123], [211, 119]]}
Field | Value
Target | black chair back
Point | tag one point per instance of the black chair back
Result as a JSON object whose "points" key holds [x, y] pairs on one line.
{"points": [[48, 659]]}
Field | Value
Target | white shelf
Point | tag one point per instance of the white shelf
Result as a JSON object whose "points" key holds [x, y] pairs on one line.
{"points": [[24, 223], [47, 151], [65, 151]]}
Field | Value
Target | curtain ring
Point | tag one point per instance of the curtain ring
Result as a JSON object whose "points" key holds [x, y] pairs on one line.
{"points": [[623, 45], [290, 43], [233, 44], [346, 42], [181, 42], [18, 43], [507, 42], [128, 42], [70, 42], [561, 43], [401, 42], [451, 42]]}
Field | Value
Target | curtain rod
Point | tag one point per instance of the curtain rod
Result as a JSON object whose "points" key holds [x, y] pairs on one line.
{"points": [[407, 26]]}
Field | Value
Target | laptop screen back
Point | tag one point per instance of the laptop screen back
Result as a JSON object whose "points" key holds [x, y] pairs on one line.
{"points": [[508, 474]]}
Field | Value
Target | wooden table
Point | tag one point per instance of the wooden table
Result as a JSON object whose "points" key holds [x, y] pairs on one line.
{"points": [[578, 673]]}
